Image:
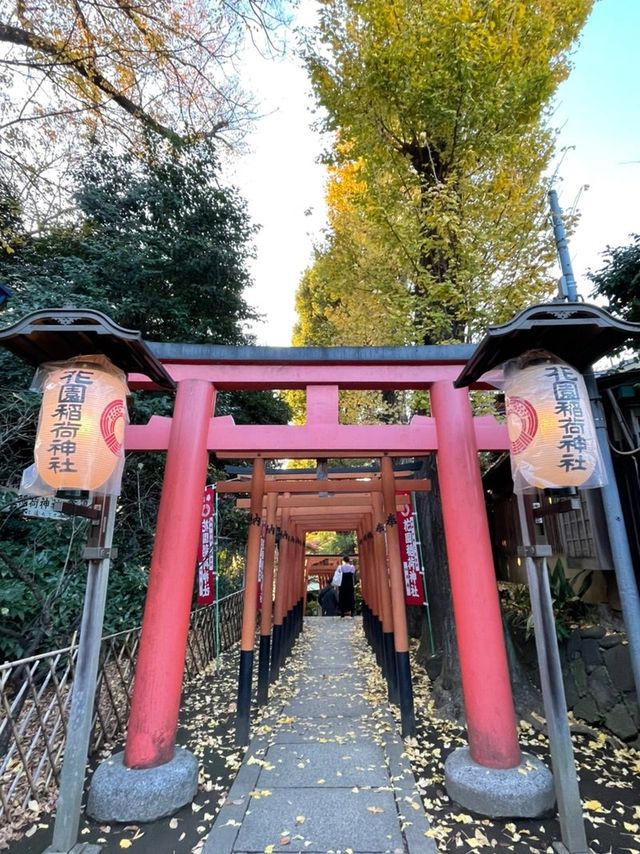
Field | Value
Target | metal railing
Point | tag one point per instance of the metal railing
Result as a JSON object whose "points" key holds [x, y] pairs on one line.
{"points": [[35, 695]]}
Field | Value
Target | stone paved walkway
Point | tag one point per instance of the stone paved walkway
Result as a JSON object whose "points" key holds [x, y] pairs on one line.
{"points": [[326, 771]]}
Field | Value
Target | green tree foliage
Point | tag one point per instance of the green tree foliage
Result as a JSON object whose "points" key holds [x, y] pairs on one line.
{"points": [[331, 542], [619, 280], [439, 109], [158, 245]]}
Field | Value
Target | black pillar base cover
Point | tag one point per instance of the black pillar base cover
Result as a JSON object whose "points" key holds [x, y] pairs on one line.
{"points": [[244, 697], [263, 669], [275, 652], [390, 668], [405, 689]]}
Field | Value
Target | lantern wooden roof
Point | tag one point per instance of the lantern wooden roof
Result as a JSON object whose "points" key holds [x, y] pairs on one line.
{"points": [[578, 333], [55, 334]]}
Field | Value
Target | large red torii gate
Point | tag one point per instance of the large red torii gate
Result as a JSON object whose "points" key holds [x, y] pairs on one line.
{"points": [[194, 430], [198, 372]]}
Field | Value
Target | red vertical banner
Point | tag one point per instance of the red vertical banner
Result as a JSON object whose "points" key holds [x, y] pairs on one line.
{"points": [[413, 587], [263, 542], [206, 549]]}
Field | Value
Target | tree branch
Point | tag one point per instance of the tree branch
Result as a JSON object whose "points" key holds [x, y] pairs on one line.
{"points": [[24, 38]]}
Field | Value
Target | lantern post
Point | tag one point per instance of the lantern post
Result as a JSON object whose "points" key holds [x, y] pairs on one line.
{"points": [[574, 335], [79, 449], [98, 553], [553, 445]]}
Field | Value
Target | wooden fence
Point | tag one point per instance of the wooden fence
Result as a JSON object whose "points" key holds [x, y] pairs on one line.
{"points": [[35, 694]]}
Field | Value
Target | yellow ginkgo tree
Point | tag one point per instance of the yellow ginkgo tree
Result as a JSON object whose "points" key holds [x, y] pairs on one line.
{"points": [[439, 112], [441, 108]]}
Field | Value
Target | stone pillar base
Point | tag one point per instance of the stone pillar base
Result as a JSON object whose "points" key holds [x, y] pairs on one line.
{"points": [[525, 791], [126, 794]]}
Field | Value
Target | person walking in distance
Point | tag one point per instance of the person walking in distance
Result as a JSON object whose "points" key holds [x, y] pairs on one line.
{"points": [[343, 580]]}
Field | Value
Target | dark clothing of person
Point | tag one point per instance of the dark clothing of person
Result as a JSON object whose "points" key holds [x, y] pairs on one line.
{"points": [[328, 601], [346, 593]]}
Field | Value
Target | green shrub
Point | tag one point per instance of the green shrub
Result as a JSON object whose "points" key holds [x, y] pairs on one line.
{"points": [[568, 606]]}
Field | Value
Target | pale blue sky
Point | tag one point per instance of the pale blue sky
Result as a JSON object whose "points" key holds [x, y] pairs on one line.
{"points": [[597, 109]]}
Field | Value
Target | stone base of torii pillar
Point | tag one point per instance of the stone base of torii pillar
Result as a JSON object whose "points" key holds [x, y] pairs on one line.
{"points": [[126, 794], [525, 791]]}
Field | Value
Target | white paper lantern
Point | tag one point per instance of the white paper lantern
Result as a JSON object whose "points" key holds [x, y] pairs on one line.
{"points": [[80, 440], [551, 429]]}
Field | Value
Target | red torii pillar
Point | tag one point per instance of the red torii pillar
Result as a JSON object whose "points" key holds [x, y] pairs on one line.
{"points": [[158, 682], [266, 614], [381, 569], [486, 687], [249, 614], [150, 749], [280, 603], [398, 608]]}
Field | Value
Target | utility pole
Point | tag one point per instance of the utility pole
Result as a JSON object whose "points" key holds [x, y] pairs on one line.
{"points": [[567, 285], [621, 553]]}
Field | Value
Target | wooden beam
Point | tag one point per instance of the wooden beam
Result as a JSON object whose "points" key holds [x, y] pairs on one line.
{"points": [[292, 474], [346, 441], [332, 503], [314, 486], [289, 375], [321, 522]]}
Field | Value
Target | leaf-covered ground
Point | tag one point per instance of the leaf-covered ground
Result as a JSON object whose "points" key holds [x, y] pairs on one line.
{"points": [[609, 778], [207, 728]]}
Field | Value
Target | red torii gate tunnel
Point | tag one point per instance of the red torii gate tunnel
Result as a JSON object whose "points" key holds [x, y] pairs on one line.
{"points": [[349, 506], [452, 432]]}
